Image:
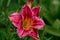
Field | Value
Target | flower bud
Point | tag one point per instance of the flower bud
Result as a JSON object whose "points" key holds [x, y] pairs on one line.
{"points": [[30, 1]]}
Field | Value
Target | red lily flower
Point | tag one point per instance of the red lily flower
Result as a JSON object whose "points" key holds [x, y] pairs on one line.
{"points": [[28, 23]]}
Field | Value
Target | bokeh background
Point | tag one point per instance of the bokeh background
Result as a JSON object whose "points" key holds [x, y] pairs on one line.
{"points": [[50, 13]]}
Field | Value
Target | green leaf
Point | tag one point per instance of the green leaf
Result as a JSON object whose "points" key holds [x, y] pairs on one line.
{"points": [[52, 30], [46, 14], [56, 24], [1, 2]]}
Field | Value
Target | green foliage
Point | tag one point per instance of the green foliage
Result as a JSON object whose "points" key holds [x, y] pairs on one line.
{"points": [[50, 13]]}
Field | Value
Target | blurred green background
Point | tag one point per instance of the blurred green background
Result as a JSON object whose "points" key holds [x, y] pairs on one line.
{"points": [[50, 13]]}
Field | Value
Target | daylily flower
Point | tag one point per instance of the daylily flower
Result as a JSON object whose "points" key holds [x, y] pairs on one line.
{"points": [[28, 22]]}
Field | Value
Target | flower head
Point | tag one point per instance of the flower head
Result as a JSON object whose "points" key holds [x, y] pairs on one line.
{"points": [[28, 23]]}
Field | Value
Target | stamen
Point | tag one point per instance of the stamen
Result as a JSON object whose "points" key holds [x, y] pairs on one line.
{"points": [[27, 23]]}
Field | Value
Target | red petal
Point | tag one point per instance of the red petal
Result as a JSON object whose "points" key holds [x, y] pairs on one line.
{"points": [[36, 11], [34, 34], [16, 19], [22, 33], [26, 11], [38, 23]]}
